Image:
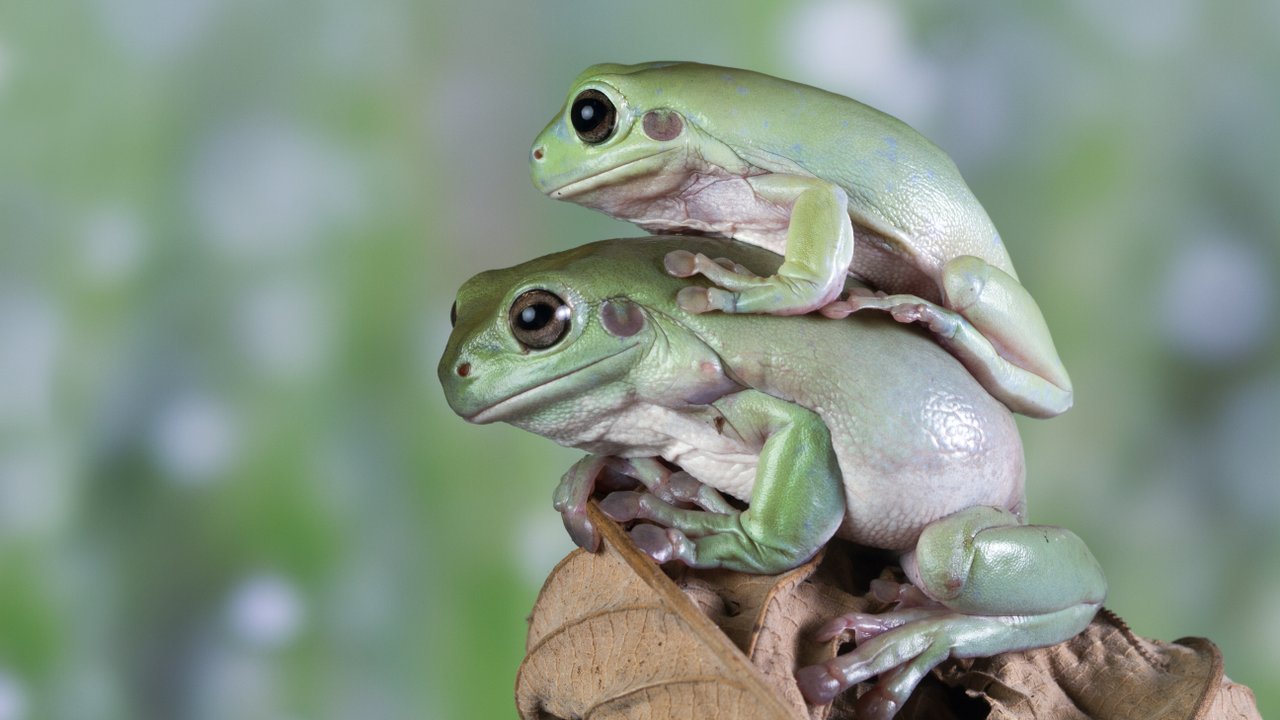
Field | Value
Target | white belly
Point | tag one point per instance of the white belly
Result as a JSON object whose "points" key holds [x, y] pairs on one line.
{"points": [[698, 440]]}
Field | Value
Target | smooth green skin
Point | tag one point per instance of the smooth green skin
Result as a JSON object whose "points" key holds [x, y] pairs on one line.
{"points": [[834, 185], [860, 428]]}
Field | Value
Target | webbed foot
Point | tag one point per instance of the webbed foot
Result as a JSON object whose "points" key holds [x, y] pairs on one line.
{"points": [[996, 331], [982, 583], [902, 646]]}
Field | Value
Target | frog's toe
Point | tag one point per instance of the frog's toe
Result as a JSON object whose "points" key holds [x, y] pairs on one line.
{"points": [[818, 684], [663, 544], [622, 506], [879, 703], [680, 263], [572, 495], [907, 313], [865, 626], [900, 655], [905, 595], [699, 300], [860, 626], [581, 530], [684, 488], [857, 298], [694, 299], [837, 310], [735, 268]]}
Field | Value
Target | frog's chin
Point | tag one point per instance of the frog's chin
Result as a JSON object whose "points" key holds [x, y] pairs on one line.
{"points": [[512, 405], [637, 167]]}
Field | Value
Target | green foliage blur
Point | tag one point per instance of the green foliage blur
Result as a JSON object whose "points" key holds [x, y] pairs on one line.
{"points": [[230, 234]]}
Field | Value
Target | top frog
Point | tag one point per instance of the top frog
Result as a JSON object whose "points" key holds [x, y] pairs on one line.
{"points": [[834, 185]]}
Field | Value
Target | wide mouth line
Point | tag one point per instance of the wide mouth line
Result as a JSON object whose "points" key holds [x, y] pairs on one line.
{"points": [[575, 187], [478, 416]]}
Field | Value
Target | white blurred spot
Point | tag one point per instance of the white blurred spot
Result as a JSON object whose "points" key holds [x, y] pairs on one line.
{"points": [[541, 542], [261, 188], [13, 699], [861, 48], [34, 490], [30, 339], [195, 437], [265, 612], [284, 328], [156, 30], [1217, 300], [1246, 452], [112, 245]]}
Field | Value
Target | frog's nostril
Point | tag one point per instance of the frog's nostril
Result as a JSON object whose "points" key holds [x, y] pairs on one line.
{"points": [[538, 153], [464, 369]]}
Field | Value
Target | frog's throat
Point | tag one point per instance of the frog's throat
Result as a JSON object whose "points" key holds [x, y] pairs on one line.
{"points": [[604, 177], [531, 394]]}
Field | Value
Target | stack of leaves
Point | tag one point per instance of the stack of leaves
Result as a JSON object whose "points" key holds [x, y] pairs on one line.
{"points": [[614, 636]]}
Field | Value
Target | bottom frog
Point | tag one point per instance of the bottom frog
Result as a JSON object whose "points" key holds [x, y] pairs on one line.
{"points": [[860, 428]]}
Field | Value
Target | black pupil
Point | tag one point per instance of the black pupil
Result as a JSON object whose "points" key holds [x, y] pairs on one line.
{"points": [[535, 316], [587, 113], [538, 319]]}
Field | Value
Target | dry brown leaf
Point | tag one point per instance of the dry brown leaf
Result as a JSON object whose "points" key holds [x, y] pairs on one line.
{"points": [[1106, 672], [773, 618], [612, 636]]}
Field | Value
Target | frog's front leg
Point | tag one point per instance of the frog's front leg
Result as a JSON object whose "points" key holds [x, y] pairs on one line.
{"points": [[992, 325], [819, 248], [997, 586], [797, 502]]}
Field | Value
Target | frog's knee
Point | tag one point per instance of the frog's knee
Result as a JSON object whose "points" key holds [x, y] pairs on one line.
{"points": [[943, 559], [965, 281], [983, 561]]}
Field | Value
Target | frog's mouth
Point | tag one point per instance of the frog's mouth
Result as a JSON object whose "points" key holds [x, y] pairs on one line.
{"points": [[523, 399], [640, 166]]}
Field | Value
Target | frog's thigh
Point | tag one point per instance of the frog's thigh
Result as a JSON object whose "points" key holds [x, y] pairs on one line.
{"points": [[1008, 347], [981, 561], [819, 249]]}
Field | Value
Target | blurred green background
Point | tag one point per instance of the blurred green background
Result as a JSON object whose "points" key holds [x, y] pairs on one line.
{"points": [[230, 234]]}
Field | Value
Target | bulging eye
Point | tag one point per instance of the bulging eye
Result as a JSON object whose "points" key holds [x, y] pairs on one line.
{"points": [[593, 116], [538, 319]]}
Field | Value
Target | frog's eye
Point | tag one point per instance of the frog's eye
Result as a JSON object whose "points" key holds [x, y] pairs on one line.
{"points": [[538, 319], [593, 116]]}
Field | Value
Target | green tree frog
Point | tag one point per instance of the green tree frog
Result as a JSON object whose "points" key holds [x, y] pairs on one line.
{"points": [[834, 185], [860, 428]]}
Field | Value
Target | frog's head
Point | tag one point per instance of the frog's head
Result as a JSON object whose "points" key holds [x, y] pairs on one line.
{"points": [[559, 343], [619, 134]]}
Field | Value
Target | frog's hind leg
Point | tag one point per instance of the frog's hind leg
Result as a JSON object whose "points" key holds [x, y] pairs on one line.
{"points": [[995, 586], [992, 325]]}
